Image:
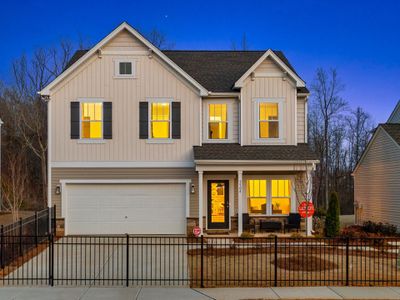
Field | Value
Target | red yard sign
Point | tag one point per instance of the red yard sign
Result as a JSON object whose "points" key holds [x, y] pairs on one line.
{"points": [[196, 231], [306, 209]]}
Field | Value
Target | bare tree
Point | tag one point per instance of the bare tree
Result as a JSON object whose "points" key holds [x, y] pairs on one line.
{"points": [[244, 44], [159, 39], [14, 186], [329, 104]]}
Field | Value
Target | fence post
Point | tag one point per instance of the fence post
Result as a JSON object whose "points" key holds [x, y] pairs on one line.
{"points": [[36, 229], [20, 237], [54, 223], [347, 260], [276, 261], [127, 260], [51, 259], [48, 220], [2, 247], [202, 262]]}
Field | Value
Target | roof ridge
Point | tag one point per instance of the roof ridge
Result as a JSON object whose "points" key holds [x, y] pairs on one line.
{"points": [[208, 50]]}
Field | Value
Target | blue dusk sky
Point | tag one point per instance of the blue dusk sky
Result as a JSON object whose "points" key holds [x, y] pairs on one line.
{"points": [[361, 39]]}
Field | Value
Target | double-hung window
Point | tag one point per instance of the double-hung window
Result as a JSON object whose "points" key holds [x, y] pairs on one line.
{"points": [[269, 197], [160, 120], [217, 121], [124, 68], [268, 120], [91, 120]]}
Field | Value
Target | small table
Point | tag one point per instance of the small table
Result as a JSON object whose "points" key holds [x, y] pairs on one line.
{"points": [[271, 225]]}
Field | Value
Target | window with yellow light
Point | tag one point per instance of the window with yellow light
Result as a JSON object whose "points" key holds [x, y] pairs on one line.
{"points": [[91, 120], [160, 120], [257, 196], [217, 121], [268, 116], [280, 197]]}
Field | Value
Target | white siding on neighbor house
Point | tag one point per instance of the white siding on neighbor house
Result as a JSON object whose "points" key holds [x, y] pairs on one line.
{"points": [[95, 79], [395, 116], [301, 121], [377, 182], [233, 119]]}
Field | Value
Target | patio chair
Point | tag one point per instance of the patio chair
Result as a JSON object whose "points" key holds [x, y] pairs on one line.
{"points": [[292, 222], [247, 225]]}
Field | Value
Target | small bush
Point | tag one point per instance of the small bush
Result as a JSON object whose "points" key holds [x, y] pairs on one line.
{"points": [[332, 222], [247, 235], [380, 228], [320, 212], [318, 225], [296, 235]]}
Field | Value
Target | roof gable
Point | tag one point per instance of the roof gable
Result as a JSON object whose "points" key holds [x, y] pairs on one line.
{"points": [[83, 56], [395, 115]]}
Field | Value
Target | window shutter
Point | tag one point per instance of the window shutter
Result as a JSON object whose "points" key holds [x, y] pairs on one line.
{"points": [[107, 120], [75, 106], [143, 120], [176, 120]]}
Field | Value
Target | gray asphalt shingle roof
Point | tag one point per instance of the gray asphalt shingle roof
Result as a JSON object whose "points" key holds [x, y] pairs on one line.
{"points": [[393, 130], [256, 152], [217, 71]]}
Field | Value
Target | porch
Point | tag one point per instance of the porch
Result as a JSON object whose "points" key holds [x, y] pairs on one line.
{"points": [[251, 191]]}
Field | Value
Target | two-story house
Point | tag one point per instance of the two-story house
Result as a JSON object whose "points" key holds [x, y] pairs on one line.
{"points": [[144, 141]]}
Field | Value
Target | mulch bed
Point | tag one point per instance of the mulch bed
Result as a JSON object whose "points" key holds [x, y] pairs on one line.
{"points": [[307, 263]]}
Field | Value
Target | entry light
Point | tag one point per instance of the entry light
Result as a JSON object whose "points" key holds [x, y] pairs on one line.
{"points": [[58, 190], [192, 190]]}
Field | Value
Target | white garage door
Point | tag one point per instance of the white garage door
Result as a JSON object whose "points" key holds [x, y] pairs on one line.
{"points": [[125, 208]]}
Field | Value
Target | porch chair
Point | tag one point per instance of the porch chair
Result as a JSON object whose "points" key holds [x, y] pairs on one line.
{"points": [[292, 222], [247, 225]]}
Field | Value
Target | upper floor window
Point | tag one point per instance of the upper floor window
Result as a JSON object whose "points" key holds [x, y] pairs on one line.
{"points": [[160, 120], [92, 120], [217, 121], [125, 68], [268, 120]]}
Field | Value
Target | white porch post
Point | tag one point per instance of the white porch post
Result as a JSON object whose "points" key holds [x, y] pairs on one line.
{"points": [[201, 201], [309, 199], [240, 203]]}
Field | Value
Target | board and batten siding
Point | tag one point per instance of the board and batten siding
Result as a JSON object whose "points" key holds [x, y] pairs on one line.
{"points": [[269, 88], [377, 182], [95, 80], [124, 173], [301, 121]]}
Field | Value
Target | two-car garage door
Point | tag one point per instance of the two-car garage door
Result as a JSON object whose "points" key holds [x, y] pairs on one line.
{"points": [[134, 208]]}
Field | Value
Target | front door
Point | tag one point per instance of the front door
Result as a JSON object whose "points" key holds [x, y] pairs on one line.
{"points": [[218, 204]]}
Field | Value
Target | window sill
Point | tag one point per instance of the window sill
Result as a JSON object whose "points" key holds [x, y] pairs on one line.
{"points": [[124, 77], [159, 141], [210, 141], [99, 141], [266, 216], [269, 141]]}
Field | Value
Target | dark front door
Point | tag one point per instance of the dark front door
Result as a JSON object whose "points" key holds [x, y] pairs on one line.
{"points": [[218, 204]]}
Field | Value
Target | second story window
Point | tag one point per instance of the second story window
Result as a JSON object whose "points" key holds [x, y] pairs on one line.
{"points": [[160, 120], [124, 68], [268, 120], [217, 121], [92, 120]]}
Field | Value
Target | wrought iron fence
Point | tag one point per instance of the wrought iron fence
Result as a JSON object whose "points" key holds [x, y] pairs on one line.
{"points": [[205, 262], [20, 237]]}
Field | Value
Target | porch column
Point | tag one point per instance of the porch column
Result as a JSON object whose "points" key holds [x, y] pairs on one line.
{"points": [[240, 203], [201, 201], [309, 199]]}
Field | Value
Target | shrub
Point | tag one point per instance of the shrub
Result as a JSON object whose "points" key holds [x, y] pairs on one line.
{"points": [[332, 223], [318, 225], [296, 235], [247, 235], [320, 212], [379, 228]]}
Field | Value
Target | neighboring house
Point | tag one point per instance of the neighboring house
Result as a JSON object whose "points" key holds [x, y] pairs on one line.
{"points": [[144, 141], [377, 175]]}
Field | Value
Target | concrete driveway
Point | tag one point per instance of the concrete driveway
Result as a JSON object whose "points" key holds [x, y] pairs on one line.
{"points": [[102, 261]]}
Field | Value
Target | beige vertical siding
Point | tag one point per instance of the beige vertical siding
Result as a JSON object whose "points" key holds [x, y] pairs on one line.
{"points": [[95, 79], [124, 41], [124, 173], [268, 87], [233, 105], [377, 182], [268, 66], [301, 124]]}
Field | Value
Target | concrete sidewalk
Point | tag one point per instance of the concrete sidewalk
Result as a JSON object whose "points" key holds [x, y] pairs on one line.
{"points": [[147, 293]]}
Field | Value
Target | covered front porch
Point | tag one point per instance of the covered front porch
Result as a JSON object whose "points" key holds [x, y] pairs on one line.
{"points": [[258, 195]]}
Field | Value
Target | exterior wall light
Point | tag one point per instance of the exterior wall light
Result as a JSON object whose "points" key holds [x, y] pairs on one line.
{"points": [[192, 189], [57, 191]]}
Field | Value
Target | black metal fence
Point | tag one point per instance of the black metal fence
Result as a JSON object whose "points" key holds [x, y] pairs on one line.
{"points": [[20, 237], [206, 262]]}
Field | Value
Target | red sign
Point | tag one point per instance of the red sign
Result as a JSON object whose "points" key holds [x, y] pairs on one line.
{"points": [[306, 209], [196, 231]]}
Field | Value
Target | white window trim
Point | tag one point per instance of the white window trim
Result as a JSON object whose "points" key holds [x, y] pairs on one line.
{"points": [[293, 206], [151, 140], [229, 116], [116, 68], [82, 140], [256, 138]]}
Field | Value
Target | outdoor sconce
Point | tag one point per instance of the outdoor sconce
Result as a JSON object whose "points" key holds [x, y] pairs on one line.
{"points": [[150, 54], [58, 190], [192, 190]]}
